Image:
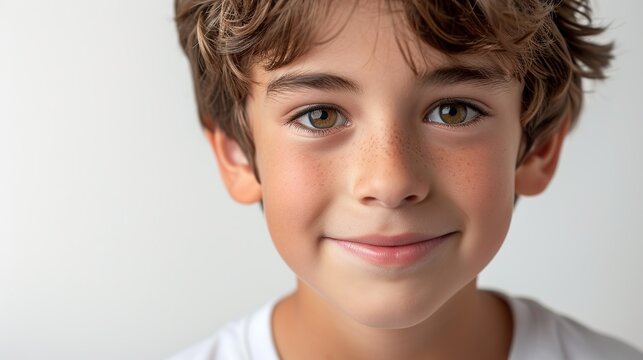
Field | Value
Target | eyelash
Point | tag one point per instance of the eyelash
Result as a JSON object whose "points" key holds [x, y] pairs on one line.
{"points": [[292, 121], [481, 113]]}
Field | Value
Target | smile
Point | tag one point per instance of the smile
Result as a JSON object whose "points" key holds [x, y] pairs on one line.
{"points": [[399, 250]]}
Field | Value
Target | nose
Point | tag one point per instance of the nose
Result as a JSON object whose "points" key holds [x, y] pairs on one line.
{"points": [[391, 171]]}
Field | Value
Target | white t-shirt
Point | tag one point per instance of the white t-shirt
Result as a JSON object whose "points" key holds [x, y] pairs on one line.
{"points": [[538, 334]]}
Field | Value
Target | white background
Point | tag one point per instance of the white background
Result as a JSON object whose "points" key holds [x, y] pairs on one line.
{"points": [[117, 240]]}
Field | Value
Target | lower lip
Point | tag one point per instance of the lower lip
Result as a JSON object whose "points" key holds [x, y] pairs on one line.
{"points": [[393, 255]]}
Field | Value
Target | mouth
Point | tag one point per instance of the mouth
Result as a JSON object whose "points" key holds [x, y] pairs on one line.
{"points": [[397, 250]]}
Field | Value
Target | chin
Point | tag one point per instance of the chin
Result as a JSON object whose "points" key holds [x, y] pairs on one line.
{"points": [[388, 319], [391, 312]]}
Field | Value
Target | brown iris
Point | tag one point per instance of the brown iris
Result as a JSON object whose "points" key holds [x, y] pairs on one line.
{"points": [[453, 114], [322, 118]]}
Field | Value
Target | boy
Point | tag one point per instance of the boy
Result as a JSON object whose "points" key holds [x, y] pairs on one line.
{"points": [[387, 142]]}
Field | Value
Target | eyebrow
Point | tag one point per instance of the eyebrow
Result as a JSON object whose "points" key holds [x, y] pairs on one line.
{"points": [[320, 81], [448, 75], [482, 76]]}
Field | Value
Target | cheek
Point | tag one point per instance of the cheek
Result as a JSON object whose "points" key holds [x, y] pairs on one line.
{"points": [[484, 180], [296, 187], [480, 184]]}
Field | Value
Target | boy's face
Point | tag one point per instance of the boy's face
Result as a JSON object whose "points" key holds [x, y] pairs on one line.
{"points": [[374, 160]]}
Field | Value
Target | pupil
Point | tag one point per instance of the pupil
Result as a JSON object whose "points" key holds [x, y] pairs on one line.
{"points": [[319, 115], [322, 119], [453, 114]]}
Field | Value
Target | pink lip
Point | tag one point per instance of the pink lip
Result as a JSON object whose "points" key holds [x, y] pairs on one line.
{"points": [[403, 249]]}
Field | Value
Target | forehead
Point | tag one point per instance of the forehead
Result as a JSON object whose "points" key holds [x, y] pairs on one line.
{"points": [[353, 37]]}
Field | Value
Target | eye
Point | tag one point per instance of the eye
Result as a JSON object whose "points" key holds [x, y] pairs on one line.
{"points": [[454, 113], [320, 120]]}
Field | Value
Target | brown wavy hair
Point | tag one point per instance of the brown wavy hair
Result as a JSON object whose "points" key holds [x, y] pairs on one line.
{"points": [[546, 44]]}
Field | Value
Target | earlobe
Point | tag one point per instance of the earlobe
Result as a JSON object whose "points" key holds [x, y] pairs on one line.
{"points": [[236, 171], [538, 168]]}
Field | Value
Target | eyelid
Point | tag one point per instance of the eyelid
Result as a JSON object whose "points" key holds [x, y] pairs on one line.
{"points": [[474, 105], [309, 108], [292, 120]]}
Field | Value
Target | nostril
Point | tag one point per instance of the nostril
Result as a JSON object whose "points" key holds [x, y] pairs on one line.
{"points": [[369, 199], [391, 202]]}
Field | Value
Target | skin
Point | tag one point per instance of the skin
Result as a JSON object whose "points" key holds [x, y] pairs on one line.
{"points": [[389, 169]]}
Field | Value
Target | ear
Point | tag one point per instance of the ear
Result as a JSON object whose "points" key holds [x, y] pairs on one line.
{"points": [[537, 169], [238, 176]]}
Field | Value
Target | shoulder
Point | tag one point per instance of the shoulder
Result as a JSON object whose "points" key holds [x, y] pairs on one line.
{"points": [[247, 338], [540, 333]]}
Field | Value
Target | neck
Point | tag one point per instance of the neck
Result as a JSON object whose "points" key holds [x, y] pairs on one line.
{"points": [[471, 324]]}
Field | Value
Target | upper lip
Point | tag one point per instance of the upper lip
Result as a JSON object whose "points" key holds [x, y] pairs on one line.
{"points": [[390, 240]]}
